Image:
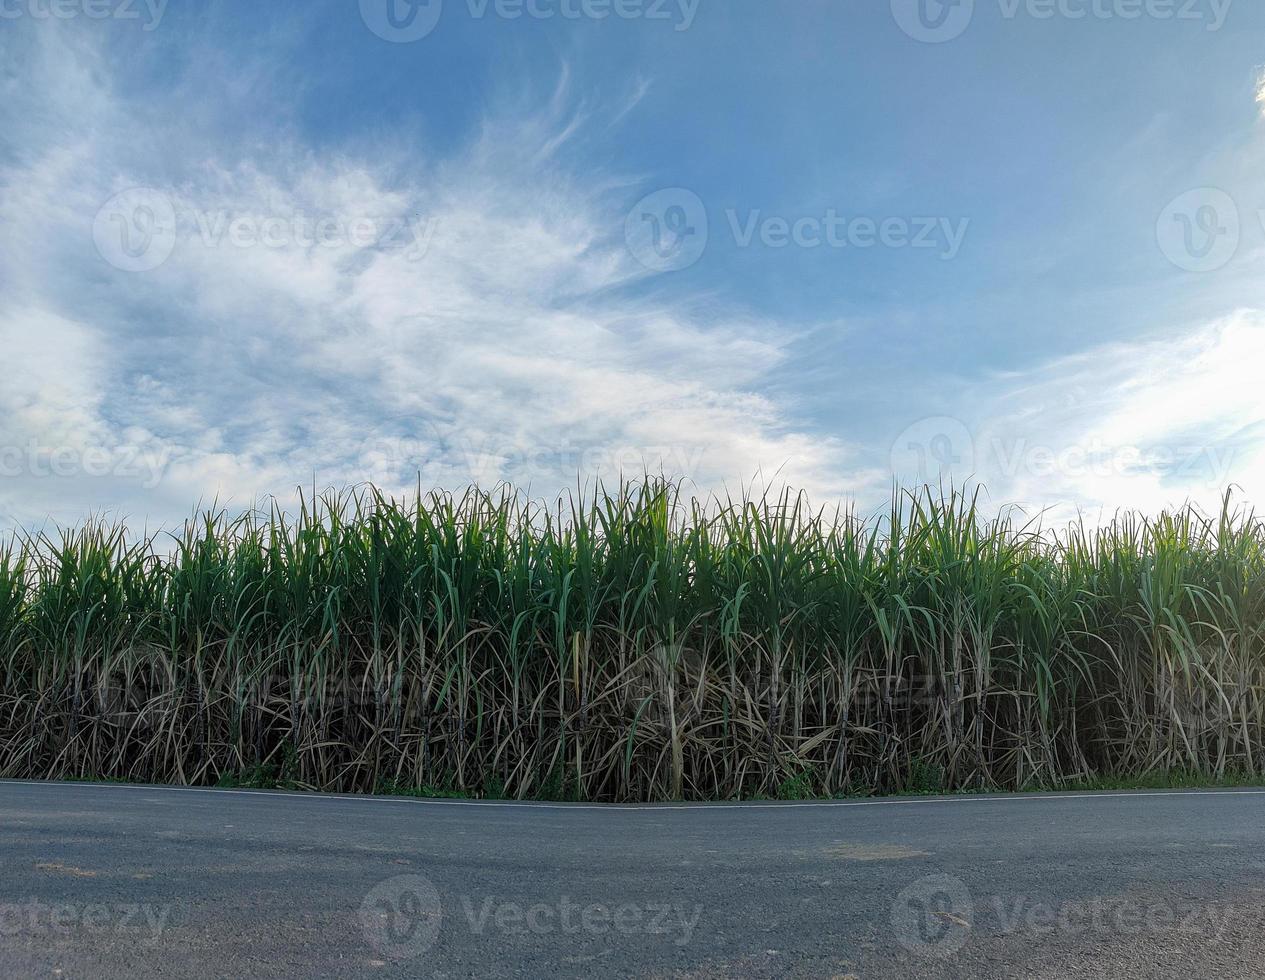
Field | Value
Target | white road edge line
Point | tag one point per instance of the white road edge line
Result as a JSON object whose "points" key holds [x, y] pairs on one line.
{"points": [[661, 807]]}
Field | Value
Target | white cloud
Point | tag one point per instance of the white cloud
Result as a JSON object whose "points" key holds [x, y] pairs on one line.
{"points": [[1140, 426], [504, 341], [521, 342]]}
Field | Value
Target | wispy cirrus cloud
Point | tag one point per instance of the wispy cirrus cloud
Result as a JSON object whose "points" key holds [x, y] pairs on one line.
{"points": [[1140, 425], [213, 288], [265, 317]]}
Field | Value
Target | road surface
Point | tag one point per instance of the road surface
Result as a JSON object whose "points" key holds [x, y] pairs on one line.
{"points": [[128, 881]]}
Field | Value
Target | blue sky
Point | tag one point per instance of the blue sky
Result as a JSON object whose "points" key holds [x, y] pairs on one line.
{"points": [[245, 247]]}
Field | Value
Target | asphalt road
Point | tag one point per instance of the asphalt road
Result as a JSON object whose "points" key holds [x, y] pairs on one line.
{"points": [[128, 881]]}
